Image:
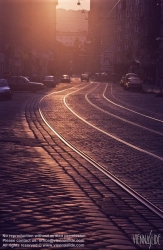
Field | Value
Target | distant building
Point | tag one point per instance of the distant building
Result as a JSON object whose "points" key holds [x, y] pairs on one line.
{"points": [[159, 62], [138, 24], [122, 35], [69, 38], [71, 20], [28, 36], [102, 32], [71, 52], [128, 37]]}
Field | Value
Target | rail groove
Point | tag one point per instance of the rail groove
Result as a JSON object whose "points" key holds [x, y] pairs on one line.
{"points": [[118, 117], [133, 111], [107, 173]]}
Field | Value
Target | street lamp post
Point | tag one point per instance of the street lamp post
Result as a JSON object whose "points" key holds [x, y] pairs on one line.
{"points": [[160, 74], [17, 64]]}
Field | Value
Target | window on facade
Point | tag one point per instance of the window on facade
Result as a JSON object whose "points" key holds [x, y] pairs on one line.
{"points": [[127, 25], [137, 15], [128, 1], [136, 42], [126, 46], [126, 36], [119, 27], [127, 13], [137, 2], [123, 4], [118, 48], [136, 28], [119, 16], [119, 5], [118, 59], [118, 37]]}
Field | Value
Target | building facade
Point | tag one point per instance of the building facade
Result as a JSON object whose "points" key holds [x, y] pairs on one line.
{"points": [[71, 57], [28, 36], [138, 27], [69, 38], [128, 37], [123, 33], [159, 62], [102, 32]]}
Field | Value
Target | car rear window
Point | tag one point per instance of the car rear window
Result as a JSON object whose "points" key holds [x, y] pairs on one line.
{"points": [[49, 78], [132, 75], [134, 78]]}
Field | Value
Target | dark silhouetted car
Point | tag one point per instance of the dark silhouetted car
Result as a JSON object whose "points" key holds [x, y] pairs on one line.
{"points": [[21, 83], [65, 78], [85, 77], [5, 91], [128, 75], [133, 83], [101, 77], [49, 81]]}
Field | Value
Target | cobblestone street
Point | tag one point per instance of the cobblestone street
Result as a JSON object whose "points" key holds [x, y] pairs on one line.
{"points": [[81, 124], [50, 192]]}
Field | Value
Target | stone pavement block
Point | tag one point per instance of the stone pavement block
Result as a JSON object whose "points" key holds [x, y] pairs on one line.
{"points": [[41, 187]]}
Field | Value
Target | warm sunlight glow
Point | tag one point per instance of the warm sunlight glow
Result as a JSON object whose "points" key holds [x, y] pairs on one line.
{"points": [[72, 4]]}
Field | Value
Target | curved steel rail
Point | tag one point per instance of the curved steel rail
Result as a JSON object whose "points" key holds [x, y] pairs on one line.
{"points": [[133, 111], [120, 183], [111, 93], [120, 118]]}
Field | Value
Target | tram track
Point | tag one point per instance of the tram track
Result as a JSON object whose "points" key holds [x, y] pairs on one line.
{"points": [[55, 190], [133, 106], [119, 215], [118, 117], [128, 109], [109, 134], [156, 210], [101, 106]]}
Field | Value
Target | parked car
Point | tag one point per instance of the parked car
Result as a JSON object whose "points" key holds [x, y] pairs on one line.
{"points": [[21, 83], [85, 77], [88, 73], [133, 83], [5, 91], [65, 78], [49, 81], [101, 77], [128, 75]]}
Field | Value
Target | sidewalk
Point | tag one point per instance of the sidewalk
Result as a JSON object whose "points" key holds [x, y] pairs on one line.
{"points": [[42, 204], [151, 88]]}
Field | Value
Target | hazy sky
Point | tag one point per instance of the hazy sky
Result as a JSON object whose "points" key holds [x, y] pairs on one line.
{"points": [[72, 4]]}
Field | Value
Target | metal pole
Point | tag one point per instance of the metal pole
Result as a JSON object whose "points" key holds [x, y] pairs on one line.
{"points": [[161, 86]]}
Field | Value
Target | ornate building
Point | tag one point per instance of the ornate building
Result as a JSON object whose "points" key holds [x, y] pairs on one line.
{"points": [[102, 32], [138, 23], [122, 32], [28, 36]]}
